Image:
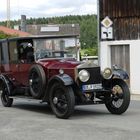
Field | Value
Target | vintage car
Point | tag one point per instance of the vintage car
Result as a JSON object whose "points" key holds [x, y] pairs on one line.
{"points": [[46, 69]]}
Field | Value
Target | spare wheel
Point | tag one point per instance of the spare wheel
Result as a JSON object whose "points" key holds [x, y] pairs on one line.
{"points": [[37, 81]]}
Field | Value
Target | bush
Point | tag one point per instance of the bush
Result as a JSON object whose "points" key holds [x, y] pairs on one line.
{"points": [[90, 51]]}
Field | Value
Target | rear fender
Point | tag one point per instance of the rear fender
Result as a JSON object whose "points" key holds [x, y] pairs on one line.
{"points": [[6, 80]]}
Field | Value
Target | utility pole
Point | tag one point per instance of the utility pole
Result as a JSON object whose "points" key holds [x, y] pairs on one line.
{"points": [[8, 13]]}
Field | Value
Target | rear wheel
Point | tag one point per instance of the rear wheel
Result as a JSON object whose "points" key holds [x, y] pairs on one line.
{"points": [[62, 100], [6, 101], [118, 101]]}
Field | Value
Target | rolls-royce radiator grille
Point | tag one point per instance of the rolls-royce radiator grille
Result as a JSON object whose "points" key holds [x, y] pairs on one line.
{"points": [[95, 75]]}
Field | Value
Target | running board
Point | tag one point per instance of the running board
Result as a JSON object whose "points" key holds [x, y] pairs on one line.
{"points": [[26, 98]]}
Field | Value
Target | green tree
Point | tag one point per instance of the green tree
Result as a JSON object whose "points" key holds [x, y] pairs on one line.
{"points": [[88, 27], [89, 33]]}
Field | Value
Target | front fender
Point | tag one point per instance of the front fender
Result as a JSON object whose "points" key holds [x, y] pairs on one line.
{"points": [[119, 73], [64, 79]]}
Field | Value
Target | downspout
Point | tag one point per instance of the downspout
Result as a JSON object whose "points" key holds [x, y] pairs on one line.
{"points": [[98, 30]]}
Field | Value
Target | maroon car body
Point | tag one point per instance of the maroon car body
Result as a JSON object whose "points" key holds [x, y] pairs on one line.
{"points": [[46, 68]]}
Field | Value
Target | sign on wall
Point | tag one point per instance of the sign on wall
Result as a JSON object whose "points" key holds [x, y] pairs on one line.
{"points": [[50, 29], [106, 28]]}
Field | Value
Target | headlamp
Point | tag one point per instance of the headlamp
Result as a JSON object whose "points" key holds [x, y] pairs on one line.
{"points": [[84, 75]]}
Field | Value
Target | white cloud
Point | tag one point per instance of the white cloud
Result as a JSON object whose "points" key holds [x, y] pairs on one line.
{"points": [[47, 8], [58, 11]]}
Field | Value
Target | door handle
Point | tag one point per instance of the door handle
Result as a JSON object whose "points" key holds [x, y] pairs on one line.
{"points": [[17, 66]]}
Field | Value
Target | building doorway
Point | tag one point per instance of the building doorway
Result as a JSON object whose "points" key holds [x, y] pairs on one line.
{"points": [[120, 55]]}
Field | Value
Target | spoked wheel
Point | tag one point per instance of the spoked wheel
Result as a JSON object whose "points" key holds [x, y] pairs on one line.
{"points": [[37, 81], [62, 100], [6, 101], [118, 101]]}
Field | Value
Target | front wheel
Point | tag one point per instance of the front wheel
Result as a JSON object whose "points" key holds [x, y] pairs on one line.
{"points": [[62, 100], [6, 101], [118, 101]]}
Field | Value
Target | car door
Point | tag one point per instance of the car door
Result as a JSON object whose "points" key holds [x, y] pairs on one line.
{"points": [[24, 73], [26, 60], [13, 61], [18, 64]]}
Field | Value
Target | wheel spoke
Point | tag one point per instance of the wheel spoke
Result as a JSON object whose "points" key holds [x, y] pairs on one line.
{"points": [[120, 95], [35, 81], [118, 103], [62, 101]]}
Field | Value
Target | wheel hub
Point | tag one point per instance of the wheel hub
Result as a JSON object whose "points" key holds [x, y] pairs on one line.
{"points": [[30, 81], [55, 100], [117, 90]]}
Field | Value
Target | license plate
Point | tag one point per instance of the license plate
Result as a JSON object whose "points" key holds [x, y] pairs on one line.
{"points": [[92, 87]]}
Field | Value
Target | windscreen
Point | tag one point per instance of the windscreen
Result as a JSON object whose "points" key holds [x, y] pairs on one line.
{"points": [[54, 48]]}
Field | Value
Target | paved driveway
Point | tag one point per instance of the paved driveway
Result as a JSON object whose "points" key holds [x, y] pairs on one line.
{"points": [[33, 121]]}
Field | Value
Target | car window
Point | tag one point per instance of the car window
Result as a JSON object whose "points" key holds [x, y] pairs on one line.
{"points": [[54, 48], [4, 52], [26, 52], [13, 52]]}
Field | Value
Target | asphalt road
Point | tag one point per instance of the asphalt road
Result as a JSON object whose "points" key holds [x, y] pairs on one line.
{"points": [[33, 121]]}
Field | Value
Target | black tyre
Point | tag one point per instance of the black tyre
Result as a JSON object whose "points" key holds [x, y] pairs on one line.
{"points": [[118, 101], [6, 101], [37, 81], [62, 100]]}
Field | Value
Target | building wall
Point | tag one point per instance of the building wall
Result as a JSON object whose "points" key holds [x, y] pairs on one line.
{"points": [[60, 29], [125, 15], [105, 60]]}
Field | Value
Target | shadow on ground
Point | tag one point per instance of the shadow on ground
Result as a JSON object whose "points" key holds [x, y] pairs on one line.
{"points": [[80, 111]]}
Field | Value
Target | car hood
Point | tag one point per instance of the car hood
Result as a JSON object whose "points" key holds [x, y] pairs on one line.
{"points": [[52, 66], [59, 63]]}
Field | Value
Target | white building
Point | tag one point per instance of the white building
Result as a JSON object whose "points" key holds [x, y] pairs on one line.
{"points": [[119, 37]]}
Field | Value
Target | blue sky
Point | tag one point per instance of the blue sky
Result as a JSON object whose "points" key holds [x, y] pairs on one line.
{"points": [[47, 8]]}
